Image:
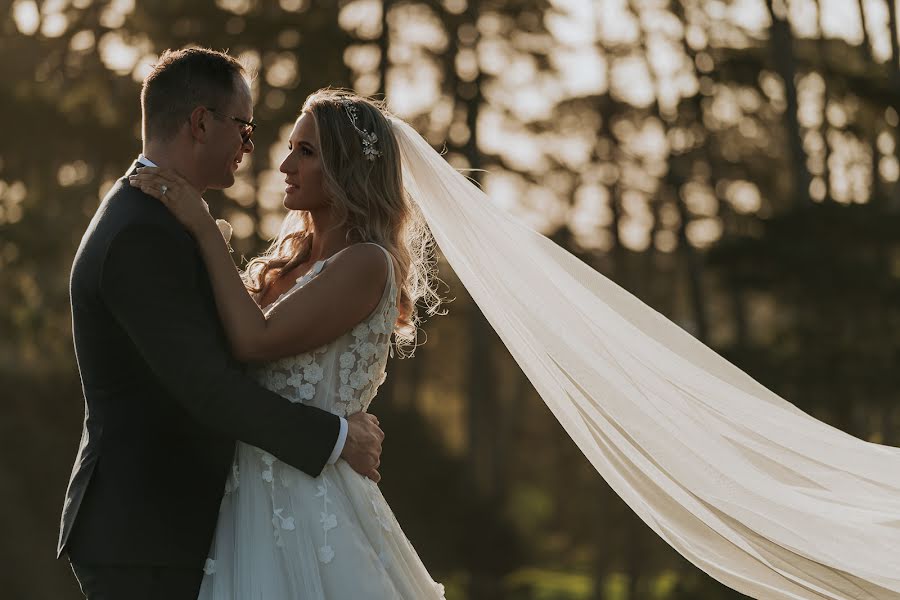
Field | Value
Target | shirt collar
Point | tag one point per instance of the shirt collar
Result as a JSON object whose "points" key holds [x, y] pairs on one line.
{"points": [[146, 161]]}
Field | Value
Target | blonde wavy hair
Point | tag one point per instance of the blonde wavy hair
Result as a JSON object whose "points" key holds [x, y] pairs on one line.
{"points": [[369, 198]]}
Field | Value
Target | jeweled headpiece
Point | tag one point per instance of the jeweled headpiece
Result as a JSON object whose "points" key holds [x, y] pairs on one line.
{"points": [[369, 139]]}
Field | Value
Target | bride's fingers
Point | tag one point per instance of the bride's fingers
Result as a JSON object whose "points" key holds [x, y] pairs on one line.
{"points": [[155, 190], [172, 176], [168, 174], [151, 187], [149, 180], [154, 183], [154, 173], [156, 178]]}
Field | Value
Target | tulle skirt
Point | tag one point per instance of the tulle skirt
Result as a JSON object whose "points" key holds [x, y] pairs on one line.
{"points": [[283, 534]]}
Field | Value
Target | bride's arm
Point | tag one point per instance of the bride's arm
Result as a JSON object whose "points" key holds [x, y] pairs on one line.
{"points": [[326, 307]]}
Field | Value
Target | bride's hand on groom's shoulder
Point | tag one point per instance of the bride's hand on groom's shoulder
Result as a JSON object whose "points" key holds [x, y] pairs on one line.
{"points": [[362, 450], [177, 195]]}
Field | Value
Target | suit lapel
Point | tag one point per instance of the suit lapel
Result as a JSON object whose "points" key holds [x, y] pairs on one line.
{"points": [[134, 167]]}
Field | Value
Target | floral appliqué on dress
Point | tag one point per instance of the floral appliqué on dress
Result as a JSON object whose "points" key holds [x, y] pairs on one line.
{"points": [[359, 363]]}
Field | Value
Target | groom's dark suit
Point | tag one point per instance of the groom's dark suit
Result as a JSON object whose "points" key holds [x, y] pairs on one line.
{"points": [[164, 400]]}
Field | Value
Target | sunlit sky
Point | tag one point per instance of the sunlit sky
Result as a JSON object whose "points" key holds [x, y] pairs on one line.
{"points": [[596, 46], [576, 25]]}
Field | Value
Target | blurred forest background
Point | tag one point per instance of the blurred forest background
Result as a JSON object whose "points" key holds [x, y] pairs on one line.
{"points": [[732, 163]]}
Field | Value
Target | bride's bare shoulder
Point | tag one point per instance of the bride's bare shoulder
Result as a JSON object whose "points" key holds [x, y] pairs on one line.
{"points": [[365, 263], [366, 260]]}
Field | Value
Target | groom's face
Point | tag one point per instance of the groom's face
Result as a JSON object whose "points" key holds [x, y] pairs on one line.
{"points": [[224, 147]]}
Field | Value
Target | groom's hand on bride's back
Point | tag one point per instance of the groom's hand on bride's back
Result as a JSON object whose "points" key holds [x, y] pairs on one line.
{"points": [[362, 450]]}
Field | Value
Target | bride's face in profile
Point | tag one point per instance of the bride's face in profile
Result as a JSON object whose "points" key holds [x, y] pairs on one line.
{"points": [[302, 168]]}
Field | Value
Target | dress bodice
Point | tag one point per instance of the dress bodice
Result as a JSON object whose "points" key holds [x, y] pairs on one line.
{"points": [[343, 375]]}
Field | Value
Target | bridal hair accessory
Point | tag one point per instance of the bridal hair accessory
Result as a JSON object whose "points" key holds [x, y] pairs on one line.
{"points": [[163, 189], [368, 139]]}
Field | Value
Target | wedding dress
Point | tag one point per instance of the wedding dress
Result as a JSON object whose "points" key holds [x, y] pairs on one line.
{"points": [[284, 534]]}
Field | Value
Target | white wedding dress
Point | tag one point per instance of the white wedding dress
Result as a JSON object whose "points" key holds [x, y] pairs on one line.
{"points": [[282, 534]]}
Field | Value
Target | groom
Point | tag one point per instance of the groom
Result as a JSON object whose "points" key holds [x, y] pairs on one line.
{"points": [[164, 401]]}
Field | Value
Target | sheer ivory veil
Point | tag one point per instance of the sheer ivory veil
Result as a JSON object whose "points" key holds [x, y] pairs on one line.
{"points": [[753, 491]]}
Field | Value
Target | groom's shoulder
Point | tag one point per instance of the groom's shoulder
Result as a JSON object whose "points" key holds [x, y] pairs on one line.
{"points": [[130, 205], [127, 209]]}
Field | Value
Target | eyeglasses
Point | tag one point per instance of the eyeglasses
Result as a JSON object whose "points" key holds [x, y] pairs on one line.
{"points": [[247, 127]]}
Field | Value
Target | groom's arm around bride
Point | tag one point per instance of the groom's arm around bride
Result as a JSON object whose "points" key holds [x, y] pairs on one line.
{"points": [[164, 400]]}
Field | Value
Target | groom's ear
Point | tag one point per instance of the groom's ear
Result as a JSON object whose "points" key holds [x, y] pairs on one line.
{"points": [[199, 122]]}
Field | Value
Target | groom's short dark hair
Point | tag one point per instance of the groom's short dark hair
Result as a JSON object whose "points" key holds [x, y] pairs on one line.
{"points": [[181, 81]]}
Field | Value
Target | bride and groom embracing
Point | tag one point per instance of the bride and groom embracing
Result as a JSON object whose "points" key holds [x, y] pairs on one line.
{"points": [[192, 478], [196, 476]]}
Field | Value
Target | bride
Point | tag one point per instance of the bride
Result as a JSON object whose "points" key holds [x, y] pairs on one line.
{"points": [[750, 489], [316, 314]]}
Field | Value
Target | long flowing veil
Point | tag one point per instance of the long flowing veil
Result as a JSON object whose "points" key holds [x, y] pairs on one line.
{"points": [[752, 490]]}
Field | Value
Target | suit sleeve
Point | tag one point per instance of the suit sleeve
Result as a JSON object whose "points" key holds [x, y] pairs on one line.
{"points": [[150, 283]]}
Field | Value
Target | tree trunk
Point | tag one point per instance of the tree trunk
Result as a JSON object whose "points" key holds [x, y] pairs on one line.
{"points": [[895, 79], [895, 45], [693, 262], [866, 41], [875, 196], [384, 41], [481, 392], [823, 57], [675, 178], [480, 386], [782, 47], [617, 250]]}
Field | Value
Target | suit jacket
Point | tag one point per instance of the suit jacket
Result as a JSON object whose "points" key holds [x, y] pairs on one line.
{"points": [[164, 400]]}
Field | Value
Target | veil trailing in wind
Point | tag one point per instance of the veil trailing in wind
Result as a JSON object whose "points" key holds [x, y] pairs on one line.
{"points": [[749, 488]]}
